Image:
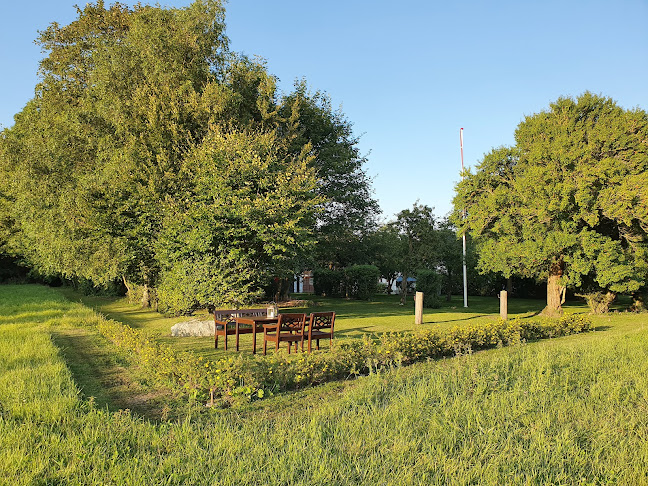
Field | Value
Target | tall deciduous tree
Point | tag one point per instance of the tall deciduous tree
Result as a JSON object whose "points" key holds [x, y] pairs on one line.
{"points": [[386, 249], [153, 153], [244, 221], [99, 149], [416, 228], [450, 257], [568, 202], [348, 209]]}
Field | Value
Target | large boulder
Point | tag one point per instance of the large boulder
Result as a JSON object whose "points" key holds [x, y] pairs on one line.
{"points": [[193, 327]]}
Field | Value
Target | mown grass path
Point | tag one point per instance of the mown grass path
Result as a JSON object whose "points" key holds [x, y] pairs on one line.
{"points": [[106, 376], [572, 410]]}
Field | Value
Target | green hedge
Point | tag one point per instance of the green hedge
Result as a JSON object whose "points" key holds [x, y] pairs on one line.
{"points": [[244, 378], [328, 282], [361, 281], [356, 282]]}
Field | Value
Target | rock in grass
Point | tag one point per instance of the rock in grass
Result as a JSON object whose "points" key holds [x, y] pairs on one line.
{"points": [[193, 327]]}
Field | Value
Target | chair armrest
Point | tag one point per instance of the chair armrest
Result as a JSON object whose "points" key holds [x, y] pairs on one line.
{"points": [[222, 324]]}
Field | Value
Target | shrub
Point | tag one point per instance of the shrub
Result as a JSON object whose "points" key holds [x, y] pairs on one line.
{"points": [[639, 300], [135, 295], [328, 282], [245, 378], [356, 282], [361, 281], [88, 287], [599, 302], [429, 282]]}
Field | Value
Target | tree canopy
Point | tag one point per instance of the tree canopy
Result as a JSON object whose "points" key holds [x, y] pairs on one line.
{"points": [[152, 153], [568, 202]]}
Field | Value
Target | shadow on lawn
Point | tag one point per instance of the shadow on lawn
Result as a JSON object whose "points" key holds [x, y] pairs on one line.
{"points": [[388, 306], [136, 317], [470, 313], [460, 319], [601, 328], [107, 378]]}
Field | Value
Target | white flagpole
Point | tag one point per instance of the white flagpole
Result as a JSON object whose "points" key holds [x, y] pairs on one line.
{"points": [[463, 237]]}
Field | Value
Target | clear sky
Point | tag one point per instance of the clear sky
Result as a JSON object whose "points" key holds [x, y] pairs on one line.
{"points": [[407, 74]]}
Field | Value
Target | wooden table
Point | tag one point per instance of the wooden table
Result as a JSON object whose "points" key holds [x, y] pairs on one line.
{"points": [[256, 324]]}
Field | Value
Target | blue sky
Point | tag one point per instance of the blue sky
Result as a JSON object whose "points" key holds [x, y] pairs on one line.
{"points": [[408, 74]]}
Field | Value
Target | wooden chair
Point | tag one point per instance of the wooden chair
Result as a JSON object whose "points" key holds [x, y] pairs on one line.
{"points": [[289, 328], [320, 327]]}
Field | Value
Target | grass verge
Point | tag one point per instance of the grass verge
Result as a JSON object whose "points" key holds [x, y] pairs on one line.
{"points": [[563, 411]]}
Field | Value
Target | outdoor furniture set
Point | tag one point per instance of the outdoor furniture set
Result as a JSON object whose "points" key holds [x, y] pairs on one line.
{"points": [[289, 328]]}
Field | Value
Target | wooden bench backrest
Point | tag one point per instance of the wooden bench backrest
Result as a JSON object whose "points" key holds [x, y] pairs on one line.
{"points": [[228, 315]]}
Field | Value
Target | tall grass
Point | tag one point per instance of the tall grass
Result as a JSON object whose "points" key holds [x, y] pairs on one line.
{"points": [[570, 411]]}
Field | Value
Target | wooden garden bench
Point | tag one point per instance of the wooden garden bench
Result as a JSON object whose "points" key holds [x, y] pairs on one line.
{"points": [[239, 321]]}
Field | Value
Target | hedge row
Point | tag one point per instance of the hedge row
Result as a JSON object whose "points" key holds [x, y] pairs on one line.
{"points": [[355, 282], [239, 377]]}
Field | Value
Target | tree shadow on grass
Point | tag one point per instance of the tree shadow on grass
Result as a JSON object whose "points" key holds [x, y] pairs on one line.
{"points": [[459, 319], [389, 307], [601, 328]]}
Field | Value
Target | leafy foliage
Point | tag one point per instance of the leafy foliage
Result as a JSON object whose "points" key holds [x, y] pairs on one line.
{"points": [[347, 207], [598, 302], [416, 229], [565, 203], [152, 153], [429, 282], [327, 281], [386, 249], [361, 281], [418, 240], [244, 221], [356, 281]]}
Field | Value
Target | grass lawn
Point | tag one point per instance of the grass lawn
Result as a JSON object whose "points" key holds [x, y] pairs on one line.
{"points": [[353, 318], [572, 410]]}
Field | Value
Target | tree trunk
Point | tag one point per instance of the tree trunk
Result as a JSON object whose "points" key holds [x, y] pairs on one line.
{"points": [[640, 301], [555, 291], [403, 290], [146, 297], [285, 288], [449, 288], [146, 293], [509, 286], [129, 289]]}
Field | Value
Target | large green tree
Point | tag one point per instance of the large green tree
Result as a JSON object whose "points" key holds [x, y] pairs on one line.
{"points": [[386, 248], [347, 209], [449, 252], [244, 221], [568, 202], [99, 149], [416, 229], [151, 152]]}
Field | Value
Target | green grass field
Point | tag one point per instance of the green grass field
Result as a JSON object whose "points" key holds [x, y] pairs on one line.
{"points": [[572, 410]]}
